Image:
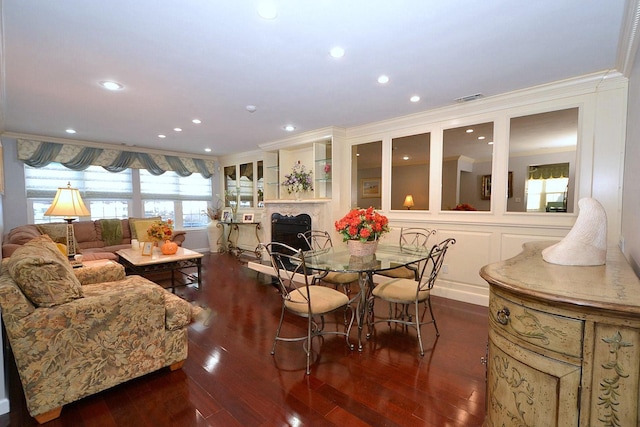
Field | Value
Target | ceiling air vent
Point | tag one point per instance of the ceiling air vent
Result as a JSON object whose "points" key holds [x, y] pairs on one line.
{"points": [[469, 97]]}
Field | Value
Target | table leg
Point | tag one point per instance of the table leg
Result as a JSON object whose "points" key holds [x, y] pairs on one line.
{"points": [[199, 266], [364, 281]]}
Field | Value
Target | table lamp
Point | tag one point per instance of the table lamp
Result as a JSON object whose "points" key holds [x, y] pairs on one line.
{"points": [[68, 204], [408, 201]]}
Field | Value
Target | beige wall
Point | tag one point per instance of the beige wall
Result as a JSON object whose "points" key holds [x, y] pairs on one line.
{"points": [[631, 193]]}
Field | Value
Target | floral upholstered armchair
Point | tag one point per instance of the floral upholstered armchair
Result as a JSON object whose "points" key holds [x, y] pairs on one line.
{"points": [[73, 339]]}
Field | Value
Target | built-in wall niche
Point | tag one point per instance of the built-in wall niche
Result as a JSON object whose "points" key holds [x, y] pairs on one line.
{"points": [[542, 158], [315, 156], [410, 172], [467, 158], [366, 175]]}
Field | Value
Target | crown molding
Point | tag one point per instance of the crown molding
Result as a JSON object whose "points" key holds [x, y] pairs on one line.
{"points": [[628, 40]]}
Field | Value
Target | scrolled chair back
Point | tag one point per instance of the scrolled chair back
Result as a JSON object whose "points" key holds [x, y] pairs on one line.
{"points": [[289, 267], [316, 239], [433, 264]]}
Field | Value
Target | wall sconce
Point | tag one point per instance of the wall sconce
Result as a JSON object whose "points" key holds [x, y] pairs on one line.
{"points": [[408, 201], [68, 204]]}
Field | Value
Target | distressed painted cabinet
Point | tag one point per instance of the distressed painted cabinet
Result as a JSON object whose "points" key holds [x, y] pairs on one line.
{"points": [[564, 342]]}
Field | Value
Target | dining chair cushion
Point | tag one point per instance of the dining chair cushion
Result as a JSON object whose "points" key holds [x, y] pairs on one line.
{"points": [[340, 278], [402, 291], [323, 300], [400, 273]]}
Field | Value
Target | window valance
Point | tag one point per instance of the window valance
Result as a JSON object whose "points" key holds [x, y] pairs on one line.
{"points": [[555, 170], [40, 153]]}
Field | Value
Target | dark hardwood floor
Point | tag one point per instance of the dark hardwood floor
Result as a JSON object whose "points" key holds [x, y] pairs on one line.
{"points": [[231, 379]]}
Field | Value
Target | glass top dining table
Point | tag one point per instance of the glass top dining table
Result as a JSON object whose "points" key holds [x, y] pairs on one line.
{"points": [[386, 257]]}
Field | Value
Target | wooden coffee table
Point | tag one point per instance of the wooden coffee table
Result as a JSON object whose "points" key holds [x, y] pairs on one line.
{"points": [[145, 265]]}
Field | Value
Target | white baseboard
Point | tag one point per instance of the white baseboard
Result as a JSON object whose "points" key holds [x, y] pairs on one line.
{"points": [[471, 294]]}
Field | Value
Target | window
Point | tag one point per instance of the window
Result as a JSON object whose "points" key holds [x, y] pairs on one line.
{"points": [[184, 199], [106, 194]]}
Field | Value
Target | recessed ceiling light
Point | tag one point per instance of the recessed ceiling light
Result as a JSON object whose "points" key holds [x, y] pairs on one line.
{"points": [[267, 10], [383, 79], [414, 98], [289, 128], [196, 121], [251, 108], [490, 142], [208, 150], [469, 131], [405, 158], [110, 85], [178, 129], [70, 130], [481, 137], [337, 52], [162, 136]]}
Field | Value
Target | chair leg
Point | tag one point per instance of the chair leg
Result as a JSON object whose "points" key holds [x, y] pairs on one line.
{"points": [[308, 349], [275, 339], [418, 329], [435, 325], [177, 365]]}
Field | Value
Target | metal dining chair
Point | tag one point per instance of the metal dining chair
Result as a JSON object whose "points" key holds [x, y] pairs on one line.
{"points": [[417, 237], [407, 291], [301, 298], [318, 240]]}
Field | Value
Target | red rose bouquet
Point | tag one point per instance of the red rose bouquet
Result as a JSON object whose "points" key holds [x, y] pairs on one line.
{"points": [[362, 224]]}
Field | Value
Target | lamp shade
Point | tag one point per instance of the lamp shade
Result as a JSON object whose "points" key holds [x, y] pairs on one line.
{"points": [[67, 203], [408, 201]]}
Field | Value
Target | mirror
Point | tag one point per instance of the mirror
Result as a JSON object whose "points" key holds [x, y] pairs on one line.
{"points": [[467, 153], [260, 184], [410, 172], [542, 161], [246, 185], [366, 175], [230, 187]]}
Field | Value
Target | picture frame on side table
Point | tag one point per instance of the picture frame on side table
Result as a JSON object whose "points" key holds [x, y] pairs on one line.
{"points": [[247, 217], [147, 248]]}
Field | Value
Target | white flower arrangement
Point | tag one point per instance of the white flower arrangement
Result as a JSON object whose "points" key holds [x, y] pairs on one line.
{"points": [[299, 179]]}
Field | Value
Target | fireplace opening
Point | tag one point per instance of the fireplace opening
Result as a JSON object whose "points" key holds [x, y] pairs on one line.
{"points": [[285, 229]]}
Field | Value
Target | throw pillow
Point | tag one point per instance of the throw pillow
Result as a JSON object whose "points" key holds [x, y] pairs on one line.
{"points": [[57, 232], [132, 226], [43, 274], [141, 229]]}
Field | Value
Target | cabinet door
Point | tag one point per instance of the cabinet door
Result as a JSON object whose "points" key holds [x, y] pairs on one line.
{"points": [[527, 389]]}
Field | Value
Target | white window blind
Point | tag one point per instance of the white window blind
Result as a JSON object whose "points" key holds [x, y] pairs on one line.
{"points": [[94, 182], [171, 186]]}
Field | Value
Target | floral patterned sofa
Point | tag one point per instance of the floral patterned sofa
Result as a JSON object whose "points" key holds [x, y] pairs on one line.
{"points": [[75, 332]]}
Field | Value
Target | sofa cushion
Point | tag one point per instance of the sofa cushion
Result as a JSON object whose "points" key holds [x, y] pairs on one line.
{"points": [[43, 274], [133, 229]]}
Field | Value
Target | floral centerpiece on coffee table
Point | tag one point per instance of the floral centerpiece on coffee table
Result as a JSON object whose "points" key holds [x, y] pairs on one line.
{"points": [[298, 180], [160, 230], [363, 225]]}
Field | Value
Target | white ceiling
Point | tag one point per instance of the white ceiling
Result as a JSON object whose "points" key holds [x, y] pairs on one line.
{"points": [[180, 60]]}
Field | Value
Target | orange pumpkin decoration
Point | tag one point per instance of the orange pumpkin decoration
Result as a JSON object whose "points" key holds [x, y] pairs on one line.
{"points": [[169, 247]]}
